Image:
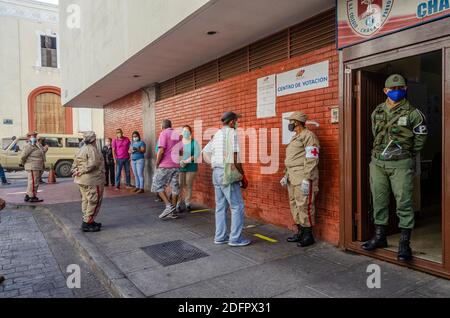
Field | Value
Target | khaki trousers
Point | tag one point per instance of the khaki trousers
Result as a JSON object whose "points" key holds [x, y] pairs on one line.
{"points": [[303, 207], [91, 201], [33, 182], [186, 184]]}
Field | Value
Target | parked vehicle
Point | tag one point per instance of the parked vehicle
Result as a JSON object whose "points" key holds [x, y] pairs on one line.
{"points": [[61, 151]]}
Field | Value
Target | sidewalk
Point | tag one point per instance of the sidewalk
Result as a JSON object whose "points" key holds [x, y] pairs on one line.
{"points": [[132, 231]]}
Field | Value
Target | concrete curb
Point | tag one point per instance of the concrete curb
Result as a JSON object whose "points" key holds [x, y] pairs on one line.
{"points": [[109, 274]]}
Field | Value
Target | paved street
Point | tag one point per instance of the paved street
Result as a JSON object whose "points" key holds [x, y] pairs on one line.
{"points": [[37, 245]]}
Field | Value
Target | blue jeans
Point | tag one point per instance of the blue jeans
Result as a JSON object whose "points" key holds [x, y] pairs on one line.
{"points": [[123, 163], [138, 170], [229, 196]]}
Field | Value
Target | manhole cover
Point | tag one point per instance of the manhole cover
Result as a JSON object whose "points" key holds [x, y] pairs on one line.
{"points": [[175, 252]]}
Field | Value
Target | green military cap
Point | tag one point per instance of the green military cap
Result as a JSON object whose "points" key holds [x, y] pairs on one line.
{"points": [[395, 80], [298, 116]]}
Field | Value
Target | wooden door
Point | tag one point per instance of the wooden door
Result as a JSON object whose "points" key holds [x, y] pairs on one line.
{"points": [[50, 116]]}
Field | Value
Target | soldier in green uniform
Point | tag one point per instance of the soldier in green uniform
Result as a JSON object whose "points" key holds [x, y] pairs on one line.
{"points": [[400, 133]]}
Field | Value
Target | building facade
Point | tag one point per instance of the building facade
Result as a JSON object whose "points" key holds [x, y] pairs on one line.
{"points": [[263, 60], [30, 77]]}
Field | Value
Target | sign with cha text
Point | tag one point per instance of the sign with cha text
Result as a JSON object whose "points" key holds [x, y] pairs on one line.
{"points": [[363, 20], [303, 79]]}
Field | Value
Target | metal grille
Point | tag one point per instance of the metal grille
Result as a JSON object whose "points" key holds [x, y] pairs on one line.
{"points": [[175, 252], [310, 35]]}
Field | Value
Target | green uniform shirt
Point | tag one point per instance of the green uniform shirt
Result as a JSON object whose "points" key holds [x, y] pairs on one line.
{"points": [[399, 132]]}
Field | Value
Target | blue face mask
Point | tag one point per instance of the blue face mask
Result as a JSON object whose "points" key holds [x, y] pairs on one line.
{"points": [[186, 134], [33, 141], [397, 95]]}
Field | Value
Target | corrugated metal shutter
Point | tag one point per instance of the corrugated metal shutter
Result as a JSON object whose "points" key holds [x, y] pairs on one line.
{"points": [[207, 74], [184, 83], [268, 51], [233, 64], [313, 34], [167, 89]]}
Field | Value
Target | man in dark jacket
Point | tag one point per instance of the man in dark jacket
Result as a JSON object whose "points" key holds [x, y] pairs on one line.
{"points": [[109, 163]]}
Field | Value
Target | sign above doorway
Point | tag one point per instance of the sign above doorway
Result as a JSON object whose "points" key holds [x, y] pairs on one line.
{"points": [[363, 20]]}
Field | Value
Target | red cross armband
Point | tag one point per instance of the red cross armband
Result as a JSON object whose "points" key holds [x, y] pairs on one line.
{"points": [[312, 152]]}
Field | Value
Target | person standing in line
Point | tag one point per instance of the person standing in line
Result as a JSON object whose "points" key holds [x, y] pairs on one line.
{"points": [[188, 163], [121, 146], [228, 178], [167, 169], [108, 159], [89, 172], [33, 161], [3, 176], [137, 151]]}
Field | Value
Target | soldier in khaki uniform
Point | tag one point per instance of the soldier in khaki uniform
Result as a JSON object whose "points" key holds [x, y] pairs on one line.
{"points": [[89, 171], [400, 133], [302, 178], [33, 161]]}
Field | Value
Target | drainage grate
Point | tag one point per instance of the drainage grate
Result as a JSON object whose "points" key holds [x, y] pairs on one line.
{"points": [[175, 252]]}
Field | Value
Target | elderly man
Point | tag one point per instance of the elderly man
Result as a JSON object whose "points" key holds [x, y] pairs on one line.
{"points": [[302, 177], [88, 169], [33, 161]]}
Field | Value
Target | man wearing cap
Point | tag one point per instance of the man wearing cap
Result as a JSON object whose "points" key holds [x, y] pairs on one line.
{"points": [[228, 178], [88, 169], [33, 161], [302, 178], [400, 133]]}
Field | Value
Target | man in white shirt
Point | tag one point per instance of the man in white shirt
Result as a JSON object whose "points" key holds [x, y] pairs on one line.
{"points": [[227, 195]]}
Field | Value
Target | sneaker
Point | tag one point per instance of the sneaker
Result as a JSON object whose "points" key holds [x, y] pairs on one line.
{"points": [[129, 187], [188, 208], [140, 191], [36, 200], [27, 198], [240, 243], [117, 189], [6, 183], [169, 210], [226, 241], [172, 216]]}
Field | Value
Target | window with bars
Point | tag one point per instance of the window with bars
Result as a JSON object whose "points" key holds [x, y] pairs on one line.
{"points": [[49, 56], [310, 35]]}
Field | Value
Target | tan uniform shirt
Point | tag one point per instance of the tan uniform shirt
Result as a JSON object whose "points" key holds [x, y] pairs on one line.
{"points": [[89, 162], [302, 158], [32, 158]]}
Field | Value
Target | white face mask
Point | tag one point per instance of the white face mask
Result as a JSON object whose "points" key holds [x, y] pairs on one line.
{"points": [[136, 139]]}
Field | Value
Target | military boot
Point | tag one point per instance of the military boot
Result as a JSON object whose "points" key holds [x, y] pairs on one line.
{"points": [[378, 241], [297, 236], [90, 227], [404, 250], [307, 238]]}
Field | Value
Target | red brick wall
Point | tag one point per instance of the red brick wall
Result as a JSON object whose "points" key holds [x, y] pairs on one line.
{"points": [[265, 198], [124, 113]]}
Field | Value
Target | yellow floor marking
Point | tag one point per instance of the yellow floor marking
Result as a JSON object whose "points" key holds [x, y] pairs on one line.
{"points": [[200, 211], [266, 238]]}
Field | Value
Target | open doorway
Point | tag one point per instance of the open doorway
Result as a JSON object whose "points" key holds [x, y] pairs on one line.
{"points": [[424, 79]]}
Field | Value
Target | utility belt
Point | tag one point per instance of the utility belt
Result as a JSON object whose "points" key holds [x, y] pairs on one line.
{"points": [[392, 157]]}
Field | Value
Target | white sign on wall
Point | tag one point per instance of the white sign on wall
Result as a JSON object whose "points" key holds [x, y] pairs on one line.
{"points": [[303, 79], [266, 97], [287, 135]]}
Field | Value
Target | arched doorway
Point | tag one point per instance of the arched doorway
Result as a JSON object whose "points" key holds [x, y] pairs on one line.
{"points": [[46, 114]]}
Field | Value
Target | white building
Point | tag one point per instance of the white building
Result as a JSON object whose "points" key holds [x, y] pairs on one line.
{"points": [[30, 93]]}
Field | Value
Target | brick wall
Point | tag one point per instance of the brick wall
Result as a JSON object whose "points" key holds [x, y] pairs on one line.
{"points": [[265, 199], [124, 113]]}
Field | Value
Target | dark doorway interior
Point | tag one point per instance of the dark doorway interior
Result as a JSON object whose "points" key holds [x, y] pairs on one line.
{"points": [[424, 76]]}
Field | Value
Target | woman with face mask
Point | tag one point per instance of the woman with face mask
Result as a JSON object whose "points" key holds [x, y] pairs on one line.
{"points": [[137, 151], [108, 158], [188, 165]]}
